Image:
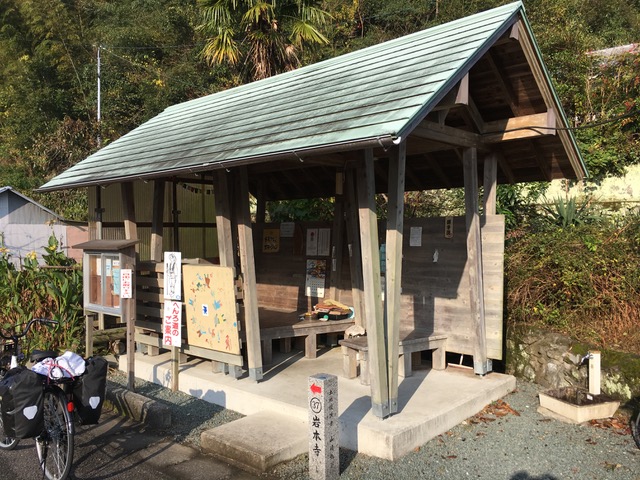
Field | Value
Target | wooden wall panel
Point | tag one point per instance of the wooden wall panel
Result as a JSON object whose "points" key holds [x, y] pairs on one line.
{"points": [[435, 295]]}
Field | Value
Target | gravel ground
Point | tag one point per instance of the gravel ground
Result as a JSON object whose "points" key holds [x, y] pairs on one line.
{"points": [[508, 440]]}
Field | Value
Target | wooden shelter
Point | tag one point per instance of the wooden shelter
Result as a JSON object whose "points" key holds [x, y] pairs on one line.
{"points": [[458, 105]]}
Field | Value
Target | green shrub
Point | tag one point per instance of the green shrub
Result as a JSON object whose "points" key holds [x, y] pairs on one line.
{"points": [[582, 280], [52, 290]]}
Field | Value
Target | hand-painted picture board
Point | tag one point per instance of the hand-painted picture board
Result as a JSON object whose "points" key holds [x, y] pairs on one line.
{"points": [[210, 306]]}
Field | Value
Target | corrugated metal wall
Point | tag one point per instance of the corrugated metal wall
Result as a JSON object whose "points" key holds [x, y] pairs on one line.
{"points": [[195, 202]]}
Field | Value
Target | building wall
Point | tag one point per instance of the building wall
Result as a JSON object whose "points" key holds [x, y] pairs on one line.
{"points": [[617, 194]]}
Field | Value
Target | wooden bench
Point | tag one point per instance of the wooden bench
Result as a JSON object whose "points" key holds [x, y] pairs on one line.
{"points": [[285, 325], [409, 344]]}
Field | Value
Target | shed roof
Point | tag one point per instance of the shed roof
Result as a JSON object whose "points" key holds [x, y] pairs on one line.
{"points": [[455, 85]]}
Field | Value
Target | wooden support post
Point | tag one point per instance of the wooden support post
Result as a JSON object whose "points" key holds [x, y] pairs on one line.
{"points": [[337, 239], [175, 216], [223, 220], [157, 221], [247, 261], [89, 319], [372, 289], [490, 183], [129, 316], [99, 211], [130, 226], [224, 229], [474, 261], [393, 275], [353, 241], [129, 305]]}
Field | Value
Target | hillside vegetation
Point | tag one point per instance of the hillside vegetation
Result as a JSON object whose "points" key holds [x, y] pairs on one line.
{"points": [[578, 276]]}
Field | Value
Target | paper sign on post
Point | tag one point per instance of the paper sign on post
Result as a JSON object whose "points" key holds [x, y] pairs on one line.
{"points": [[171, 323], [173, 276], [125, 283]]}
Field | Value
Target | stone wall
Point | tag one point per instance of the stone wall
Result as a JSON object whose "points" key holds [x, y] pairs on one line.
{"points": [[553, 361]]}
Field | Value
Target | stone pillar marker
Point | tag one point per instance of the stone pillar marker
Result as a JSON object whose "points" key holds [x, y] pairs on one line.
{"points": [[324, 431]]}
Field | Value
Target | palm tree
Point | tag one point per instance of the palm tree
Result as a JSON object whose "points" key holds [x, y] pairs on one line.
{"points": [[268, 35]]}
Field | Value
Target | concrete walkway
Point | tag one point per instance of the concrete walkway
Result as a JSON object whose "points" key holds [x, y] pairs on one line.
{"points": [[430, 402]]}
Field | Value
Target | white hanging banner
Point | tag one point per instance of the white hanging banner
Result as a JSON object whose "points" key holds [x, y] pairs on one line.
{"points": [[172, 323], [172, 276]]}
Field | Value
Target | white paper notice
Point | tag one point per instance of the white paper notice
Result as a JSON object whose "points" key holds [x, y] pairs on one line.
{"points": [[312, 242], [173, 276], [415, 237], [324, 242], [287, 229]]}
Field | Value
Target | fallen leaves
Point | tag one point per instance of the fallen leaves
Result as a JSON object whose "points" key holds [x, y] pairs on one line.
{"points": [[617, 424], [499, 409]]}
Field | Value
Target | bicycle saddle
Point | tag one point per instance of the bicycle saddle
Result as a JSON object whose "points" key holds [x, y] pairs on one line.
{"points": [[39, 355]]}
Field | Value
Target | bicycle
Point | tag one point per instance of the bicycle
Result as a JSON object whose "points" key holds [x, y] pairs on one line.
{"points": [[54, 444]]}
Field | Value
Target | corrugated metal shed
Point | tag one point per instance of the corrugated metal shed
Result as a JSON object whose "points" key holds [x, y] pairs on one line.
{"points": [[374, 97]]}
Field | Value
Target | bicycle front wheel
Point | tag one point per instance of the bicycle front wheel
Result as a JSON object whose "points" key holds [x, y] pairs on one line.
{"points": [[6, 443], [55, 444], [635, 429]]}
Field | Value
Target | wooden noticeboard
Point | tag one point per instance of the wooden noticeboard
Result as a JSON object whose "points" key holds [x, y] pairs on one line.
{"points": [[209, 298]]}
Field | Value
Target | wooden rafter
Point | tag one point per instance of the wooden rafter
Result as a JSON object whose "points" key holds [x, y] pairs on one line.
{"points": [[516, 128], [506, 89]]}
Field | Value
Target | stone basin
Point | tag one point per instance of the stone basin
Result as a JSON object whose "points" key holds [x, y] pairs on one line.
{"points": [[577, 404]]}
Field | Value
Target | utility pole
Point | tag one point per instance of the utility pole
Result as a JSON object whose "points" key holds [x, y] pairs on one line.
{"points": [[99, 209], [98, 114]]}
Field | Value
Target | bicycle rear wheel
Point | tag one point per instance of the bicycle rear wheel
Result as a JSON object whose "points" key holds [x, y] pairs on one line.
{"points": [[55, 444]]}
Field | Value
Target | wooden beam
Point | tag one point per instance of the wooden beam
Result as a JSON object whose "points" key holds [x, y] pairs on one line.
{"points": [[393, 262], [506, 169], [247, 261], [439, 172], [540, 160], [474, 261], [157, 221], [490, 183], [458, 95], [372, 288], [450, 135], [516, 128], [474, 115]]}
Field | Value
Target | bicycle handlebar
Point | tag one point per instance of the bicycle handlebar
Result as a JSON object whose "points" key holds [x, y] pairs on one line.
{"points": [[15, 336]]}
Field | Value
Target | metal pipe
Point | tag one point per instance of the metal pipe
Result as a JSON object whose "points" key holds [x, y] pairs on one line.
{"points": [[594, 372]]}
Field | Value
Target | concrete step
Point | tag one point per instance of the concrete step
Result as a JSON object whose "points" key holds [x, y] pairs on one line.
{"points": [[259, 441]]}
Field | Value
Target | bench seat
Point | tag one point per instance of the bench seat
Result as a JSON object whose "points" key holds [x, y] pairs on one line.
{"points": [[285, 325], [410, 342]]}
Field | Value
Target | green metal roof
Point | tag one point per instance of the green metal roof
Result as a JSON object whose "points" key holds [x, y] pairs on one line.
{"points": [[374, 96]]}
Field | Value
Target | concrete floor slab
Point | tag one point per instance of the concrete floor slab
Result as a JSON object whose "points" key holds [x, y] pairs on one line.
{"points": [[430, 402], [258, 441]]}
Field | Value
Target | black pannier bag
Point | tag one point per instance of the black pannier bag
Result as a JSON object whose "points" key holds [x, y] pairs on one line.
{"points": [[90, 390], [22, 391]]}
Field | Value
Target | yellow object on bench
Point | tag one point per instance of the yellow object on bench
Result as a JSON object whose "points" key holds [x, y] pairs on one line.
{"points": [[410, 342]]}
